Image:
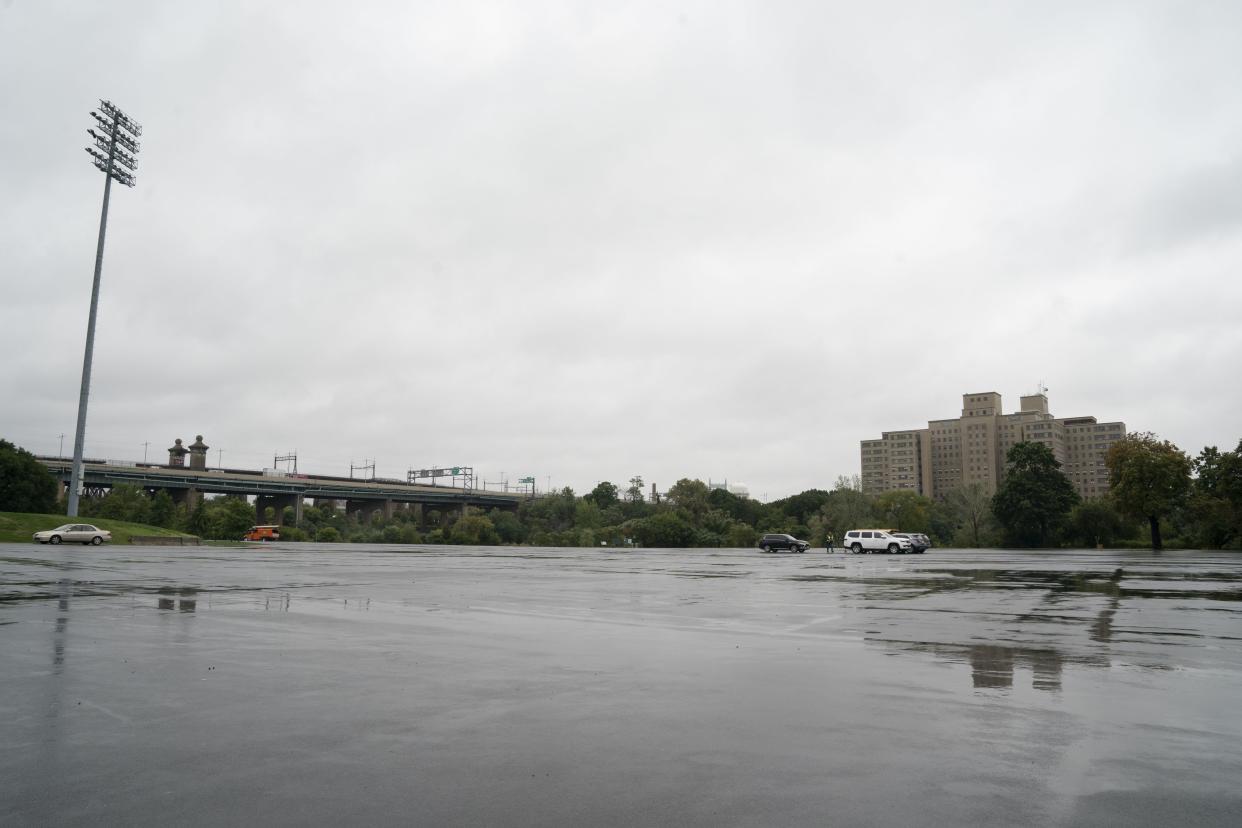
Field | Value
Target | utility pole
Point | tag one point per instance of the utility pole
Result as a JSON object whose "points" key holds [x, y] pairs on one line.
{"points": [[61, 453], [114, 154], [219, 458], [144, 450]]}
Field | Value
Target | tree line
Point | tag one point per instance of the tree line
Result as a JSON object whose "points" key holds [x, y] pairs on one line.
{"points": [[1159, 496]]}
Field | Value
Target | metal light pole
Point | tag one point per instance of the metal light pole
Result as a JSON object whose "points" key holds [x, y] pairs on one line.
{"points": [[114, 151]]}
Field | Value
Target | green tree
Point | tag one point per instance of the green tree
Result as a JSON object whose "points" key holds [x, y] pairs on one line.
{"points": [[973, 506], [803, 505], [741, 535], [229, 517], [1148, 478], [122, 502], [903, 510], [163, 509], [196, 520], [604, 495], [588, 515], [1095, 522], [25, 484], [943, 522], [714, 520], [1034, 500], [690, 497], [846, 508], [664, 529], [739, 508], [634, 494], [1215, 503], [474, 530], [508, 527]]}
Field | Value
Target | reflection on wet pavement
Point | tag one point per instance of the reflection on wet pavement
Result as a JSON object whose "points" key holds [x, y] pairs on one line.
{"points": [[185, 603], [1002, 687]]}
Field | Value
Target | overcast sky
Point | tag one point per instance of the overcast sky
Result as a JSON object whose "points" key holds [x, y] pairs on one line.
{"points": [[585, 241]]}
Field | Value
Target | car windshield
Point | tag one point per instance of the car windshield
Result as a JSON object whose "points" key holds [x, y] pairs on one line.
{"points": [[64, 528]]}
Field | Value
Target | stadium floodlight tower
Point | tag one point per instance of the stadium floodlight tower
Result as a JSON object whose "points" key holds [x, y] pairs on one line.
{"points": [[116, 145]]}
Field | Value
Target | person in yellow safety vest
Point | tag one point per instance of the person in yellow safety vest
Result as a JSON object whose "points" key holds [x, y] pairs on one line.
{"points": [[830, 548]]}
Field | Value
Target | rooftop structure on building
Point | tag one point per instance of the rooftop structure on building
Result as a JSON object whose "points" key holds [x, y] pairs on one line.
{"points": [[950, 453]]}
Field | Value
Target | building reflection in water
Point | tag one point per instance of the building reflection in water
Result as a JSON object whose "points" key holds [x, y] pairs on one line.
{"points": [[992, 667], [185, 602], [1102, 629], [62, 625], [276, 603]]}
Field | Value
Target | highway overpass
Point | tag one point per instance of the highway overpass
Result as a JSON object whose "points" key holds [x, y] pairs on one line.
{"points": [[279, 490]]}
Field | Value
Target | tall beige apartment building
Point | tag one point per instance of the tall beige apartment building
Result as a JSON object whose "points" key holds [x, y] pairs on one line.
{"points": [[971, 448]]}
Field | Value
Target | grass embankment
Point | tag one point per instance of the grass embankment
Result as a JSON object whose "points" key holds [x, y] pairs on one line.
{"points": [[17, 527]]}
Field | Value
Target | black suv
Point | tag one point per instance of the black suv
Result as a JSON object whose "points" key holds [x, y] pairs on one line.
{"points": [[770, 543]]}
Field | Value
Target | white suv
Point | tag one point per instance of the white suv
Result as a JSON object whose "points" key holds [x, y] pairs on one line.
{"points": [[875, 540]]}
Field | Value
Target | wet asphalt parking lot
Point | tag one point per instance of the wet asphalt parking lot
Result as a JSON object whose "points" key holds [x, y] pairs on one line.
{"points": [[330, 685]]}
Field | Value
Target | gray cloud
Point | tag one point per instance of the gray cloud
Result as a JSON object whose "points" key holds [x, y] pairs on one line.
{"points": [[717, 240]]}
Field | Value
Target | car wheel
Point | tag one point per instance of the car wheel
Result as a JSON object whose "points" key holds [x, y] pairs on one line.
{"points": [[54, 539], [893, 548], [95, 541], [856, 549]]}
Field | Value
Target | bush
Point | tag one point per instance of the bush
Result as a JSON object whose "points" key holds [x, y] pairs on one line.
{"points": [[474, 530], [327, 534], [741, 536], [292, 533], [704, 538], [664, 530]]}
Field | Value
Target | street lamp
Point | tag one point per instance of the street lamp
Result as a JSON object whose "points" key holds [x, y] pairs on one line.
{"points": [[114, 154]]}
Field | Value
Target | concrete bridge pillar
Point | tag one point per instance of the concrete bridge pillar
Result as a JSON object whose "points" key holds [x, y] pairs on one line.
{"points": [[278, 503], [362, 510], [190, 497]]}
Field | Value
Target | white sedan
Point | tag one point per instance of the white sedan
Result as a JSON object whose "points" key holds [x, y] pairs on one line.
{"points": [[74, 533]]}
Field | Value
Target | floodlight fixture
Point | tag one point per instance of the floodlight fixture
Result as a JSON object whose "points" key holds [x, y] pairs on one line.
{"points": [[114, 154]]}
